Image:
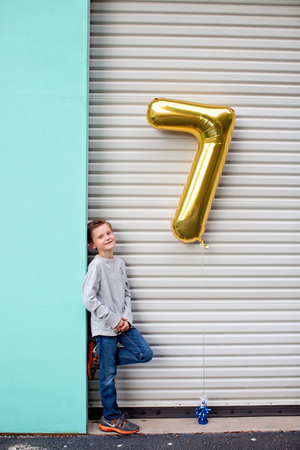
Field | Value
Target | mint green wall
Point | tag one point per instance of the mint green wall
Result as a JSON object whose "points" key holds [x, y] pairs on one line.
{"points": [[43, 122]]}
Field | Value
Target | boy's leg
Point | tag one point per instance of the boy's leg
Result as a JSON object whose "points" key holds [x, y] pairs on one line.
{"points": [[107, 352], [112, 419], [135, 349]]}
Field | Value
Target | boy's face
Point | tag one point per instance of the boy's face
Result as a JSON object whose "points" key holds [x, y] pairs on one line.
{"points": [[103, 240]]}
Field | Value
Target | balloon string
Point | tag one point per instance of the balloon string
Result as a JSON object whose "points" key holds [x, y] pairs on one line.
{"points": [[203, 334]]}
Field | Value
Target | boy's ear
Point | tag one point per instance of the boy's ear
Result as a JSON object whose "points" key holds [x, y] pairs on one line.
{"points": [[93, 245]]}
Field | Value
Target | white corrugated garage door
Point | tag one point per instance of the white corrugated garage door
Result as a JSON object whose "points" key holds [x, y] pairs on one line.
{"points": [[243, 308]]}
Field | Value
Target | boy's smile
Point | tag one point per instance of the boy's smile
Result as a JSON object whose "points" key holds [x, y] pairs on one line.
{"points": [[103, 240]]}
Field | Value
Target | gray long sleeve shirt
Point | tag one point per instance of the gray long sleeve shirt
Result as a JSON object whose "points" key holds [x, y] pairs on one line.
{"points": [[106, 295]]}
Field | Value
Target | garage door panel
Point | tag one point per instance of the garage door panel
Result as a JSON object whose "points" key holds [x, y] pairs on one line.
{"points": [[233, 308]]}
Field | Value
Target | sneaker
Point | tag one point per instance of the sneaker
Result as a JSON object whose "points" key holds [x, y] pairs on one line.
{"points": [[120, 425], [93, 360]]}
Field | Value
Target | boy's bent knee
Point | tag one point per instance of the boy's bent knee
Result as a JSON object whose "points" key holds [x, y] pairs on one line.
{"points": [[147, 355]]}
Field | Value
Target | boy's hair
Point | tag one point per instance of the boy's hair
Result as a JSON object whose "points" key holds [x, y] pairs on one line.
{"points": [[94, 224]]}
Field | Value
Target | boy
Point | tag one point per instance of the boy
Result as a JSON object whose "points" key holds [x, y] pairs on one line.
{"points": [[106, 295]]}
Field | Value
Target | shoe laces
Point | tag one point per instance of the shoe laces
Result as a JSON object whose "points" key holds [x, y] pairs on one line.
{"points": [[122, 419], [95, 360]]}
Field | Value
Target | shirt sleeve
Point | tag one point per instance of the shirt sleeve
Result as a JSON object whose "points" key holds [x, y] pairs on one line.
{"points": [[127, 302], [91, 300]]}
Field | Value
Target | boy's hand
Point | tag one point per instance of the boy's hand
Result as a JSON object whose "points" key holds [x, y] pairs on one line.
{"points": [[122, 325]]}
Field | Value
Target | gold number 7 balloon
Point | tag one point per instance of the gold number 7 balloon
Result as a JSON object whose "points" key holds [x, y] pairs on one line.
{"points": [[213, 127]]}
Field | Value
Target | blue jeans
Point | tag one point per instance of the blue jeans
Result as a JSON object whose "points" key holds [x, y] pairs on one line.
{"points": [[135, 350]]}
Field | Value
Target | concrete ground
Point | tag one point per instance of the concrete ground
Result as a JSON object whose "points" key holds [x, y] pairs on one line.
{"points": [[285, 440], [239, 433], [215, 425]]}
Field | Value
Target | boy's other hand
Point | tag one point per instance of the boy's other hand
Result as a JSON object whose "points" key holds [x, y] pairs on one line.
{"points": [[122, 325]]}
